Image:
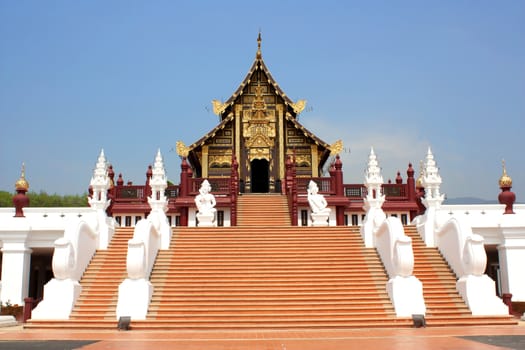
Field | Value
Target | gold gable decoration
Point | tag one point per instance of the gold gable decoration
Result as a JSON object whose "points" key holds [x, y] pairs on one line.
{"points": [[336, 147], [218, 107], [182, 149], [299, 106]]}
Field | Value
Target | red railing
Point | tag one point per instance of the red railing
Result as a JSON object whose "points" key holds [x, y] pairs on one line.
{"points": [[354, 191], [395, 192], [172, 191], [323, 183], [130, 193], [392, 192], [139, 193], [218, 185]]}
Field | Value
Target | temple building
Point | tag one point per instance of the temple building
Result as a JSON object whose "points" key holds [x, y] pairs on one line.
{"points": [[259, 125], [260, 231]]}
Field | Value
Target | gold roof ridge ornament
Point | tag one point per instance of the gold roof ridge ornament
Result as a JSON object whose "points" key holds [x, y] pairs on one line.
{"points": [[505, 180], [259, 40], [22, 183], [336, 147], [182, 149], [218, 107], [299, 106]]}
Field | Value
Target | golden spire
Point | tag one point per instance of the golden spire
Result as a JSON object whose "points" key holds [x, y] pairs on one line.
{"points": [[22, 184], [505, 180], [259, 54], [419, 181]]}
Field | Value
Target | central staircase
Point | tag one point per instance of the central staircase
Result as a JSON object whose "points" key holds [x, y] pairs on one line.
{"points": [[266, 274], [267, 278]]}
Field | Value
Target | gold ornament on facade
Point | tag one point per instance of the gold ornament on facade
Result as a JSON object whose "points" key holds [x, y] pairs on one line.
{"points": [[182, 149], [218, 107], [259, 153], [22, 184], [299, 106], [259, 106], [336, 147], [505, 180], [220, 161], [303, 160]]}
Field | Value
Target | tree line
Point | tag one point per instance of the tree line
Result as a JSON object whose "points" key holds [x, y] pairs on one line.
{"points": [[46, 200]]}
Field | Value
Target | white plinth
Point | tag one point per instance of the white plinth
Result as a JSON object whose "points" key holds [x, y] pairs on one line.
{"points": [[134, 297], [60, 297], [206, 219], [406, 294], [320, 219], [480, 296]]}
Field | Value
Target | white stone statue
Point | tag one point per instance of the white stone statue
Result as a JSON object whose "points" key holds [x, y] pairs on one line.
{"points": [[205, 202], [318, 205]]}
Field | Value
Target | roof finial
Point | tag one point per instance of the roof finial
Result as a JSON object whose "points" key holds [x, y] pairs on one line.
{"points": [[22, 184], [259, 39], [505, 180]]}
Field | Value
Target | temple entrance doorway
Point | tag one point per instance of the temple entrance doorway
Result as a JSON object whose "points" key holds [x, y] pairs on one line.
{"points": [[260, 176]]}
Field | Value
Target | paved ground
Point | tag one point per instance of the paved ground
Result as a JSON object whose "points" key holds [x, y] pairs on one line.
{"points": [[463, 338]]}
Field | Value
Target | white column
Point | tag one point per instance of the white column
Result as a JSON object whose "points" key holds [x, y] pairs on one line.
{"points": [[512, 256], [373, 202], [16, 260], [431, 181]]}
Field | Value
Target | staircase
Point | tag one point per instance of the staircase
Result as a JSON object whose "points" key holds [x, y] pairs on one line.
{"points": [[96, 305], [263, 210], [445, 307], [266, 274], [263, 277]]}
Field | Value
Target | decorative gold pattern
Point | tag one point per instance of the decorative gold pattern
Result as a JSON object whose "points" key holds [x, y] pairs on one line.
{"points": [[299, 106], [505, 180], [259, 127], [259, 153], [182, 149], [218, 107], [222, 161], [336, 147]]}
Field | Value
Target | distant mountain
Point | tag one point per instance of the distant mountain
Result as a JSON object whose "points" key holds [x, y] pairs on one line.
{"points": [[469, 200]]}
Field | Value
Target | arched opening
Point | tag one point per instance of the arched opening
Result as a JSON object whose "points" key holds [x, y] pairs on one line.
{"points": [[260, 176]]}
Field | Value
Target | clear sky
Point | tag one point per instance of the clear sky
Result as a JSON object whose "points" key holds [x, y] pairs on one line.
{"points": [[135, 76]]}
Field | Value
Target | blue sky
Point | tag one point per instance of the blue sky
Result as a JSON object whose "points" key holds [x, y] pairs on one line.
{"points": [[135, 76]]}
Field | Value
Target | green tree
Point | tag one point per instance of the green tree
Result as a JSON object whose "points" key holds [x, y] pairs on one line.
{"points": [[43, 199], [6, 199]]}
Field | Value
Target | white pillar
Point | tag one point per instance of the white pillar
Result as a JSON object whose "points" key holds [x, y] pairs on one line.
{"points": [[16, 260], [512, 256], [431, 181], [373, 202]]}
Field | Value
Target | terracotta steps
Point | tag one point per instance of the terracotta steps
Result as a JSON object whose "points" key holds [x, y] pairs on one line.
{"points": [[266, 274], [96, 305], [444, 304], [273, 209], [260, 277]]}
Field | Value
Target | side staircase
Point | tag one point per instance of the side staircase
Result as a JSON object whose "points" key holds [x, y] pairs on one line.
{"points": [[445, 306], [266, 274], [97, 303]]}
